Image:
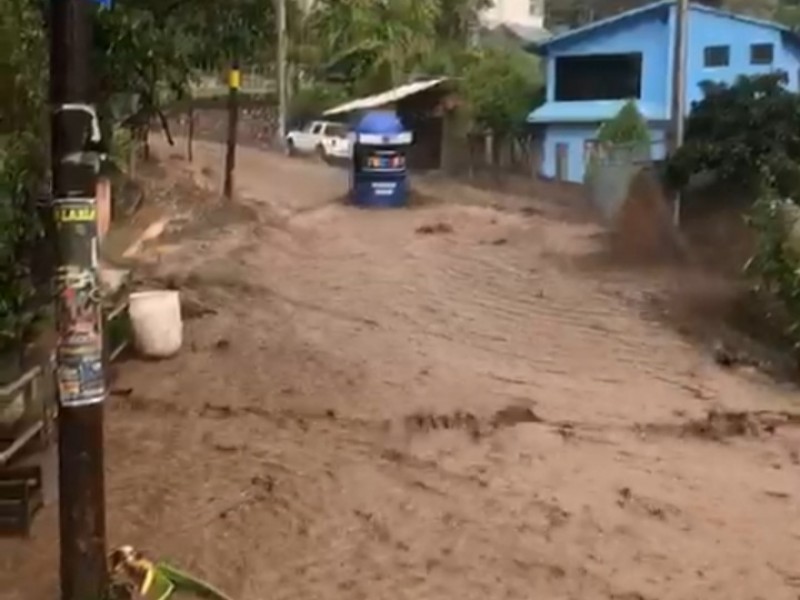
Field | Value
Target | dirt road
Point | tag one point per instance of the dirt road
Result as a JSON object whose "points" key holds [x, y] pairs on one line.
{"points": [[371, 411]]}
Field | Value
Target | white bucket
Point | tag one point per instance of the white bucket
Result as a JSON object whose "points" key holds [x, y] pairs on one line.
{"points": [[156, 322]]}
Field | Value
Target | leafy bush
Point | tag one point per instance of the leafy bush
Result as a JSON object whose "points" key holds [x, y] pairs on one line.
{"points": [[16, 288], [626, 133], [748, 136], [741, 131], [23, 60], [310, 101], [501, 86], [627, 127]]}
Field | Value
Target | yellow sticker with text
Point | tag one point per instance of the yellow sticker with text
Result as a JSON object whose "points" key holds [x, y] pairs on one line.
{"points": [[74, 214]]}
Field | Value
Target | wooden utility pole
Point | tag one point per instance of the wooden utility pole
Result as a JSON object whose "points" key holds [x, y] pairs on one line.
{"points": [[283, 96], [679, 73], [79, 353], [234, 82], [190, 135], [679, 86]]}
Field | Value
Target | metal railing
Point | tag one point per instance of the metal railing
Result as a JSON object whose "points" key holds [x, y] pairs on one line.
{"points": [[32, 384]]}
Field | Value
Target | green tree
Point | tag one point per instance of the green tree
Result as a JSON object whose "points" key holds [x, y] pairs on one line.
{"points": [[501, 86], [747, 135], [743, 132], [23, 64], [311, 100], [372, 44], [627, 127], [626, 136], [146, 52], [459, 19]]}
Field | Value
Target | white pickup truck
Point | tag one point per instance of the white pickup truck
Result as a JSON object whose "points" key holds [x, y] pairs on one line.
{"points": [[326, 139]]}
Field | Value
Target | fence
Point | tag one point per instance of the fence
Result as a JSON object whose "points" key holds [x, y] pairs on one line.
{"points": [[610, 170], [212, 84], [518, 154]]}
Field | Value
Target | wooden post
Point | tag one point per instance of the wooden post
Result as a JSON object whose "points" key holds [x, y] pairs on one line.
{"points": [[79, 352], [234, 82], [190, 136], [283, 96], [679, 88]]}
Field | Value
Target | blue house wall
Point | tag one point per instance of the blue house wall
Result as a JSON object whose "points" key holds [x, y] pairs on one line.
{"points": [[650, 30], [707, 28], [644, 34]]}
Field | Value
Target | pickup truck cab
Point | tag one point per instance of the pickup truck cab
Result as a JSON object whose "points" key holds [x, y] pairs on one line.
{"points": [[328, 140]]}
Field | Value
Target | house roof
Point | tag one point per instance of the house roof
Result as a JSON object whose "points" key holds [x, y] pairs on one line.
{"points": [[527, 34], [387, 97], [591, 111], [541, 47]]}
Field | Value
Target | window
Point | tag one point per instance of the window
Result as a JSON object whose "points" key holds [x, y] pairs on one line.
{"points": [[761, 54], [598, 77], [317, 128], [717, 56], [336, 130]]}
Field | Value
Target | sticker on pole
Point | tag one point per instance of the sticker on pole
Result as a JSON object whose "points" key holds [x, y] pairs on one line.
{"points": [[80, 381], [75, 212], [79, 351]]}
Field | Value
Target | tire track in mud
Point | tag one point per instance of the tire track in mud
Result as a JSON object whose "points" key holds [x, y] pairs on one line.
{"points": [[531, 302], [441, 502], [544, 329]]}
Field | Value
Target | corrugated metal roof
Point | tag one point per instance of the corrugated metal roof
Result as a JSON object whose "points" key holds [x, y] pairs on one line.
{"points": [[393, 95], [528, 33], [592, 111]]}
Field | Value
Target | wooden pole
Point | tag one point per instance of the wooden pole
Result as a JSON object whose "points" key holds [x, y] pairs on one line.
{"points": [[679, 74], [283, 96], [234, 82], [79, 352], [190, 136], [679, 88]]}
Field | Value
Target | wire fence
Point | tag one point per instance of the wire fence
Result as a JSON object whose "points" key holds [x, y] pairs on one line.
{"points": [[610, 168], [210, 84]]}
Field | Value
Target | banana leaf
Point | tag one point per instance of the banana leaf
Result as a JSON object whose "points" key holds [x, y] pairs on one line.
{"points": [[157, 586], [184, 582]]}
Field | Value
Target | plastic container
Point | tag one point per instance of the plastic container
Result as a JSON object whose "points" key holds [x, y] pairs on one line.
{"points": [[156, 323]]}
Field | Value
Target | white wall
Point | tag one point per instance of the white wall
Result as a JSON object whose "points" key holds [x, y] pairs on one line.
{"points": [[515, 12]]}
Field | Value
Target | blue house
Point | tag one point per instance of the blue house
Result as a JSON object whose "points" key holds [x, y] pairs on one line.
{"points": [[592, 71]]}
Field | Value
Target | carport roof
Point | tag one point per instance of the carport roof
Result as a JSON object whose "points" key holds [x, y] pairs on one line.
{"points": [[384, 98]]}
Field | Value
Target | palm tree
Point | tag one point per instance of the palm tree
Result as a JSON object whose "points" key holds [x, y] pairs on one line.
{"points": [[373, 44]]}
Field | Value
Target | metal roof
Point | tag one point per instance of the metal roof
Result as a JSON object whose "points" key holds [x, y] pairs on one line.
{"points": [[641, 10], [528, 33], [388, 97], [592, 111]]}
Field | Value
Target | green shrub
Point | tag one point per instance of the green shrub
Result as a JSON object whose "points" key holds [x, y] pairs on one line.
{"points": [[776, 260], [741, 132], [310, 101], [627, 132], [23, 65], [627, 127]]}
